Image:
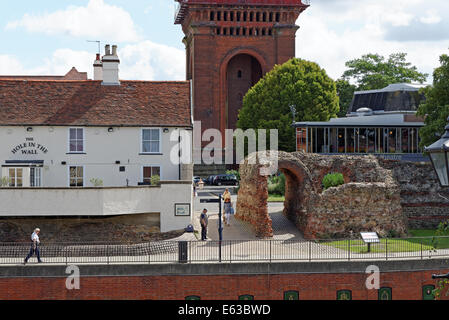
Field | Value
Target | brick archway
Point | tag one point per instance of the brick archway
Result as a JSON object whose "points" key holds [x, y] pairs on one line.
{"points": [[368, 201], [252, 204]]}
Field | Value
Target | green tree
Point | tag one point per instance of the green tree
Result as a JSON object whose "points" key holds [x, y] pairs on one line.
{"points": [[436, 106], [345, 92], [373, 71], [298, 83]]}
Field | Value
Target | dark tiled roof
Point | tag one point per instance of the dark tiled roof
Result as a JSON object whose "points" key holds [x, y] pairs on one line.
{"points": [[89, 103]]}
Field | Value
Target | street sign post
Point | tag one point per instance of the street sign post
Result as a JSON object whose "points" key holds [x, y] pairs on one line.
{"points": [[370, 237]]}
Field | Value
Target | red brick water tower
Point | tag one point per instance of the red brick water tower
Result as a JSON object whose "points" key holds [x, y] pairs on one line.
{"points": [[230, 45]]}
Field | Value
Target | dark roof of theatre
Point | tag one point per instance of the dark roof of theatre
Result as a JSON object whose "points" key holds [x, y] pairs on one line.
{"points": [[395, 97], [89, 103]]}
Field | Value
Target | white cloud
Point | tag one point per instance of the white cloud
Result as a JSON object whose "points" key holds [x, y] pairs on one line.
{"points": [[97, 20], [143, 61], [333, 33], [59, 63], [431, 17], [151, 61], [10, 65]]}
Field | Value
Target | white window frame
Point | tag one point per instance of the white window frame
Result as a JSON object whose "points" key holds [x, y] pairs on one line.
{"points": [[15, 177], [84, 175], [150, 165], [160, 141], [84, 140], [39, 179]]}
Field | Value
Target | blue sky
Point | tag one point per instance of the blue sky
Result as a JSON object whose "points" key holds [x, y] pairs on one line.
{"points": [[49, 37]]}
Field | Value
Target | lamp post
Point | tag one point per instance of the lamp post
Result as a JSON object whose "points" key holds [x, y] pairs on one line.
{"points": [[438, 153]]}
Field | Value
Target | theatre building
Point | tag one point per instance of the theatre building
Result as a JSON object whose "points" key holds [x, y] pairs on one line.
{"points": [[92, 147], [381, 122]]}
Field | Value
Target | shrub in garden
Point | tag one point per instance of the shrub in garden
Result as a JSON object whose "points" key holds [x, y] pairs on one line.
{"points": [[333, 180]]}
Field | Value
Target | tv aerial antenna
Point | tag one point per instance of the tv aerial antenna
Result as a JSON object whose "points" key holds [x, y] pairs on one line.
{"points": [[99, 44]]}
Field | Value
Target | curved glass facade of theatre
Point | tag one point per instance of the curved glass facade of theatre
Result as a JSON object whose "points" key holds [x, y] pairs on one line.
{"points": [[358, 140]]}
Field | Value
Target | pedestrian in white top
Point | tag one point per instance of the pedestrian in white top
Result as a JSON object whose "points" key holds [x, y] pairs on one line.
{"points": [[35, 242]]}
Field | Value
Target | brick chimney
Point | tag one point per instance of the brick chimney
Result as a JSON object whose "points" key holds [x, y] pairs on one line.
{"points": [[110, 63], [98, 68]]}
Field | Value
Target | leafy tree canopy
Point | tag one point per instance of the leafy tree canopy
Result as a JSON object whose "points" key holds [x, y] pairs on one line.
{"points": [[345, 92], [436, 106], [373, 71], [297, 82]]}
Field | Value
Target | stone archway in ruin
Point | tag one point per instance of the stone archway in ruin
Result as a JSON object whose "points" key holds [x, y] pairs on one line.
{"points": [[368, 201], [252, 204]]}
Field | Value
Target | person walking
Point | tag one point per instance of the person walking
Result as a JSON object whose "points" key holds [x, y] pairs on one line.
{"points": [[35, 242], [227, 207], [204, 221]]}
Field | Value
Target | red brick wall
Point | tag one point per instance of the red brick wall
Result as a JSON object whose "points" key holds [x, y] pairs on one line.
{"points": [[405, 286]]}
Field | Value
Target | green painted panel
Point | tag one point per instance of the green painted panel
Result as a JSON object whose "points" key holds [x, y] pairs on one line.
{"points": [[291, 295], [193, 298], [427, 293], [344, 295], [246, 297], [385, 294]]}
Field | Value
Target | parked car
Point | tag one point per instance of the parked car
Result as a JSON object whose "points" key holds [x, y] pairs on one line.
{"points": [[210, 180], [225, 180]]}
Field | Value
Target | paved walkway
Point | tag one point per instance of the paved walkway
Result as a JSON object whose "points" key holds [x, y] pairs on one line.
{"points": [[240, 245], [283, 229]]}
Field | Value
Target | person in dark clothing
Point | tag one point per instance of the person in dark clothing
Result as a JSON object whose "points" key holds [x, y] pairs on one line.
{"points": [[34, 247], [204, 220]]}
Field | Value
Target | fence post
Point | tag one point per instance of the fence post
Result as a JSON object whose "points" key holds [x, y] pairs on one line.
{"points": [[230, 251], [349, 249], [386, 248], [65, 249], [310, 250], [149, 252], [107, 252], [270, 250], [421, 249]]}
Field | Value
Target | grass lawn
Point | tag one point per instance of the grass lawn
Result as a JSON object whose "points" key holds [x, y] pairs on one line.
{"points": [[420, 240], [276, 198]]}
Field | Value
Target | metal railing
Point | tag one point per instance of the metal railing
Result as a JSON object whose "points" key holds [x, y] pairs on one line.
{"points": [[228, 251]]}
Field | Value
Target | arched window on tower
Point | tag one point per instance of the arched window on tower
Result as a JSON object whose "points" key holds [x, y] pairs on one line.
{"points": [[212, 16], [264, 17], [258, 16], [251, 16], [225, 16], [219, 16], [271, 17], [263, 31], [239, 74], [278, 17], [245, 16]]}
